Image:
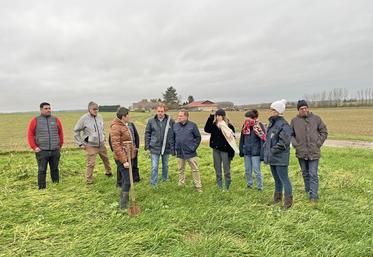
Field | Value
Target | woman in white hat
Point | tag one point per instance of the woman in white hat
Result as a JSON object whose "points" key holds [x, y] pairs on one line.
{"points": [[277, 152]]}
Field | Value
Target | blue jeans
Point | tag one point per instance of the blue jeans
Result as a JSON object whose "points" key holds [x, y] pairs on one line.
{"points": [[281, 177], [155, 161], [253, 162], [310, 177]]}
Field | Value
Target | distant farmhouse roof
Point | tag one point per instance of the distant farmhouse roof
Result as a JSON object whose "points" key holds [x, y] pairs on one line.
{"points": [[197, 104]]}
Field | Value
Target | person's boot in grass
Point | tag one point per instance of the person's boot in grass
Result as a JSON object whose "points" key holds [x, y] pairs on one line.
{"points": [[227, 185], [288, 202], [123, 201], [313, 202], [277, 198]]}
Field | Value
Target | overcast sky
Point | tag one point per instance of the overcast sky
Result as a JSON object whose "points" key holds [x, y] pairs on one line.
{"points": [[118, 52]]}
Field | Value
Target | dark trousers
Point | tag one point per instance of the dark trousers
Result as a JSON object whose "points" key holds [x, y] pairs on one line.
{"points": [[43, 158], [124, 177], [135, 173]]}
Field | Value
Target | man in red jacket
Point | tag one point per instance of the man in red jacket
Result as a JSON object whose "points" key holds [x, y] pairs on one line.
{"points": [[45, 137]]}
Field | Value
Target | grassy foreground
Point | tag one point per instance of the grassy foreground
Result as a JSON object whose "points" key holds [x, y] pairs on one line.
{"points": [[72, 219]]}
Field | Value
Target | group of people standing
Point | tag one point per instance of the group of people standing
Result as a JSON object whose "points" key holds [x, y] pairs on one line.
{"points": [[164, 137]]}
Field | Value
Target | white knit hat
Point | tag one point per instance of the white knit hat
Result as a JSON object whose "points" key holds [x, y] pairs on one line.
{"points": [[279, 106]]}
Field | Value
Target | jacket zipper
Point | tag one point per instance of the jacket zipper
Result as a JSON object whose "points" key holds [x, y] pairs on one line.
{"points": [[98, 132], [49, 133]]}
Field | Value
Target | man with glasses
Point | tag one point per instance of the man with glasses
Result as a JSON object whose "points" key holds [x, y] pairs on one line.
{"points": [[89, 136], [309, 134], [45, 137]]}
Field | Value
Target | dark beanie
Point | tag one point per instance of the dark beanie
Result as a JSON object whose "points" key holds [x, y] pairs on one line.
{"points": [[301, 103], [220, 112]]}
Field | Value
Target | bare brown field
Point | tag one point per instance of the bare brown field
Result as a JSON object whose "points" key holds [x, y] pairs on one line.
{"points": [[343, 124]]}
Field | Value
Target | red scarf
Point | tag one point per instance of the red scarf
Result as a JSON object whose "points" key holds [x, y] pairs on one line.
{"points": [[257, 127]]}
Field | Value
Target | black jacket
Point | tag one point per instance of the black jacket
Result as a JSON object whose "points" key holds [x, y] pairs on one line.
{"points": [[154, 133], [277, 147], [217, 139], [187, 139]]}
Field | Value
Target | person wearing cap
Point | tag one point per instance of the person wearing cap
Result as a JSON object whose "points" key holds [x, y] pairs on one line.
{"points": [[89, 136], [253, 136], [45, 137], [222, 152], [309, 134], [276, 151], [159, 141]]}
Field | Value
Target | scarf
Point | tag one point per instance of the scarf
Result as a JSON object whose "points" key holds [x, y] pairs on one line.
{"points": [[257, 128], [228, 134]]}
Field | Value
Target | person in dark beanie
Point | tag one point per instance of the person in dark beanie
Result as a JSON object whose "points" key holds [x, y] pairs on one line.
{"points": [[222, 151], [45, 137], [277, 152], [309, 134], [253, 136], [123, 150]]}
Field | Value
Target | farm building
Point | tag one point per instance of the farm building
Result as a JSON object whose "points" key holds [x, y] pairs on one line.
{"points": [[202, 106]]}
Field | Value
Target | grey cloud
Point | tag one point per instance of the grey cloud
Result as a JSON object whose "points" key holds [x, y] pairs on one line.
{"points": [[123, 51]]}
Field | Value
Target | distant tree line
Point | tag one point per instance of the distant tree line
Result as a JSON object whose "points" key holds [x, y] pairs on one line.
{"points": [[341, 97]]}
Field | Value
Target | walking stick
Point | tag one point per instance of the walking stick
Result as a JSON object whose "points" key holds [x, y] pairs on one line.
{"points": [[133, 209]]}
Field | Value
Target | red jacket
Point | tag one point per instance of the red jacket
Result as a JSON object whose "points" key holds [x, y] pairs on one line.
{"points": [[31, 133]]}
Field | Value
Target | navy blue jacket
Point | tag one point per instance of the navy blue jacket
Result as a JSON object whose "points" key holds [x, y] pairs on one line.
{"points": [[277, 146], [251, 144], [187, 139]]}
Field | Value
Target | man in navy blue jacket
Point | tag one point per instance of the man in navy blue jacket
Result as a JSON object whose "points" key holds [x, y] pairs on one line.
{"points": [[187, 139]]}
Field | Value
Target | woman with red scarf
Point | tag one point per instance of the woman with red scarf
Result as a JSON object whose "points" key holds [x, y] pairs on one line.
{"points": [[253, 136]]}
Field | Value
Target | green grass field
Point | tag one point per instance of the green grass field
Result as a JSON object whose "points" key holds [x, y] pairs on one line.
{"points": [[343, 123], [72, 219]]}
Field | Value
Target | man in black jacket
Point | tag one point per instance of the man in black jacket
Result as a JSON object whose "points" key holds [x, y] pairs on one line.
{"points": [[187, 140], [159, 140]]}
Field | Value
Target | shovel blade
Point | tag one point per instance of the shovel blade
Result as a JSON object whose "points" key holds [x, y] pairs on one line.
{"points": [[133, 211]]}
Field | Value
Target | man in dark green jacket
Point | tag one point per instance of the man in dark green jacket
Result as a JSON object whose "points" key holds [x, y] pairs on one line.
{"points": [[309, 134]]}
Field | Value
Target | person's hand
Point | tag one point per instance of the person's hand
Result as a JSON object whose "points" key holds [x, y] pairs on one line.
{"points": [[83, 147], [37, 149], [126, 165]]}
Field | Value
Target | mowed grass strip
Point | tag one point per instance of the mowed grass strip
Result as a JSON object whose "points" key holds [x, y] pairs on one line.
{"points": [[72, 219], [343, 123]]}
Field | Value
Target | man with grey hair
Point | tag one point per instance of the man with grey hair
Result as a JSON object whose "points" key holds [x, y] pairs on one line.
{"points": [[187, 139], [89, 136]]}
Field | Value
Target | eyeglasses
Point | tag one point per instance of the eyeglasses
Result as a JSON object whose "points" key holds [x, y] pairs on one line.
{"points": [[94, 109]]}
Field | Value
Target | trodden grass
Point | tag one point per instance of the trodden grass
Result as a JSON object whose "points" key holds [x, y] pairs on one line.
{"points": [[72, 219]]}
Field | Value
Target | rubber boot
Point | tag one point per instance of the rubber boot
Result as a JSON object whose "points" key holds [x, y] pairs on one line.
{"points": [[123, 200]]}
